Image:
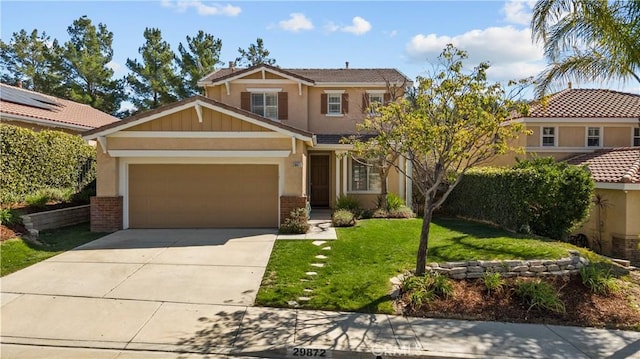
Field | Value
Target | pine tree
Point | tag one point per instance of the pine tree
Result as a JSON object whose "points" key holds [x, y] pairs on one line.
{"points": [[31, 60], [255, 54], [198, 58], [85, 67], [153, 82]]}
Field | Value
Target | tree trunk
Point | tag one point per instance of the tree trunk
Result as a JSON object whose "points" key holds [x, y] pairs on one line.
{"points": [[383, 189], [423, 248]]}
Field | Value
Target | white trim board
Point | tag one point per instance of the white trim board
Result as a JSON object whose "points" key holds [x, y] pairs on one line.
{"points": [[618, 186], [198, 153]]}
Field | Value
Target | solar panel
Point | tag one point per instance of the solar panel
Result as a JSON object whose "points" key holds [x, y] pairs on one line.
{"points": [[16, 95]]}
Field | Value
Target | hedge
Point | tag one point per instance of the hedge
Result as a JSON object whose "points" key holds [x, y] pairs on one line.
{"points": [[542, 196], [47, 159]]}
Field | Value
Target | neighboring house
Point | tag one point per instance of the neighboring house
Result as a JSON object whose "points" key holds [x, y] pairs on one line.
{"points": [[37, 111], [615, 219], [262, 142], [578, 121]]}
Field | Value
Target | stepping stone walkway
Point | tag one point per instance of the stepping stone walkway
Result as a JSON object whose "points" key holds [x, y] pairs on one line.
{"points": [[318, 265], [320, 256], [318, 243], [326, 248], [293, 303], [311, 273], [307, 290], [304, 299]]}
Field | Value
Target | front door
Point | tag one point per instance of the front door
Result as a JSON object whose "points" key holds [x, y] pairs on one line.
{"points": [[319, 181]]}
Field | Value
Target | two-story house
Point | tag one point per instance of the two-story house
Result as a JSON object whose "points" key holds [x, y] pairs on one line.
{"points": [[261, 142]]}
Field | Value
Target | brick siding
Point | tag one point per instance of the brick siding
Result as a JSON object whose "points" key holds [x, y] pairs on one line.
{"points": [[289, 203], [106, 214]]}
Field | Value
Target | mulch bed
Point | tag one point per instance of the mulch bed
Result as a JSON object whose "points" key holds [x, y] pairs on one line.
{"points": [[470, 301]]}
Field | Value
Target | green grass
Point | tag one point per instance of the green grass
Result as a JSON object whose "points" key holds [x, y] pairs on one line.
{"points": [[364, 258], [17, 253]]}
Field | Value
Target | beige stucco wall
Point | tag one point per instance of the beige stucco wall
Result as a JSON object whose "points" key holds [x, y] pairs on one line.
{"points": [[533, 140], [619, 217], [336, 124], [295, 177], [106, 174], [571, 136], [617, 136]]}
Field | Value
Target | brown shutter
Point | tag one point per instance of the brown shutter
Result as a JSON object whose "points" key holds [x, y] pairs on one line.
{"points": [[387, 98], [283, 106], [345, 103], [323, 103], [365, 102], [245, 101]]}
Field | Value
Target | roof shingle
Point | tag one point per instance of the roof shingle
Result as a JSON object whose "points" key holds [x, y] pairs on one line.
{"points": [[615, 165], [588, 103], [342, 75], [63, 112]]}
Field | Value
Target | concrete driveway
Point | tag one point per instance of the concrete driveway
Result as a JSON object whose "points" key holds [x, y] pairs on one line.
{"points": [[134, 284]]}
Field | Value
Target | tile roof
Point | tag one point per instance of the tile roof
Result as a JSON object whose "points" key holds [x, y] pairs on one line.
{"points": [[64, 112], [194, 99], [588, 103], [615, 165], [319, 75]]}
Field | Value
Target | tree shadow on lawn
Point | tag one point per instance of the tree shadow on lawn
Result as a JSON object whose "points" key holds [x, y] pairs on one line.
{"points": [[478, 229], [460, 249]]}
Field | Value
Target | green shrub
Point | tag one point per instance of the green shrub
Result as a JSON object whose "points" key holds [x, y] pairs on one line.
{"points": [[297, 223], [549, 198], [402, 212], [538, 294], [435, 283], [85, 194], [394, 202], [37, 200], [9, 216], [380, 213], [420, 297], [598, 280], [349, 203], [493, 282], [343, 218], [48, 159]]}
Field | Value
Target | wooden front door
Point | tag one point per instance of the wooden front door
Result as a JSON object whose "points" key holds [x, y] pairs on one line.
{"points": [[319, 181]]}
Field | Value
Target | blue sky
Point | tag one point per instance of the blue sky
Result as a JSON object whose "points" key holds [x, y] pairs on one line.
{"points": [[405, 35]]}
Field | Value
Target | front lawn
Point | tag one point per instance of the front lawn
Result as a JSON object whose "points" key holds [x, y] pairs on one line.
{"points": [[18, 253], [361, 262]]}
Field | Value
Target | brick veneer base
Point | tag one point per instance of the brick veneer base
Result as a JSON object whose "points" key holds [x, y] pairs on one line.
{"points": [[106, 214], [289, 203]]}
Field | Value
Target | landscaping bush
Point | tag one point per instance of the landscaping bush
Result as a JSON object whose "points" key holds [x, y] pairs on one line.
{"points": [[550, 198], [349, 203], [401, 212], [493, 282], [297, 223], [538, 294], [437, 284], [394, 202], [380, 213], [343, 218], [9, 217], [32, 161], [598, 280], [37, 200]]}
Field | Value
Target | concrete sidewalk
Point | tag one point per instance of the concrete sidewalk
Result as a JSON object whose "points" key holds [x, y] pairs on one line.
{"points": [[139, 329]]}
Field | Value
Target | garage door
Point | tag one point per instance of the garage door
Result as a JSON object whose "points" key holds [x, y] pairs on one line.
{"points": [[203, 196]]}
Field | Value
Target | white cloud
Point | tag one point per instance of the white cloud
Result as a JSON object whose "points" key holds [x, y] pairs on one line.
{"points": [[359, 26], [518, 11], [391, 34], [510, 51], [202, 9], [296, 22], [117, 68]]}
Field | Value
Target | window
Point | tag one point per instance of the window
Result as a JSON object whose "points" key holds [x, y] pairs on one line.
{"points": [[364, 177], [593, 137], [334, 104], [548, 136], [375, 100], [636, 136], [265, 104]]}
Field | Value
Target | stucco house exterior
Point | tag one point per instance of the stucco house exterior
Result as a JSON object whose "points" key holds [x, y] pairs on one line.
{"points": [[601, 129], [260, 143], [37, 111]]}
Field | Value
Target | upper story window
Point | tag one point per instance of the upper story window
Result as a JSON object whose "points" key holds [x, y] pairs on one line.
{"points": [[334, 103], [364, 177], [548, 136], [593, 137], [636, 136], [265, 104], [269, 103]]}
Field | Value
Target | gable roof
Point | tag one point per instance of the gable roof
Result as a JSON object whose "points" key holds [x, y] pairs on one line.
{"points": [[313, 76], [615, 165], [24, 105], [193, 102], [587, 103]]}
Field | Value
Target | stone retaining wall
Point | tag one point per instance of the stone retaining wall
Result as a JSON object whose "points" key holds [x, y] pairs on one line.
{"points": [[57, 218], [511, 268]]}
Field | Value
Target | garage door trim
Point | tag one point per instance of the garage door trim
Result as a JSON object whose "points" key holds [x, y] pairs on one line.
{"points": [[123, 174]]}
